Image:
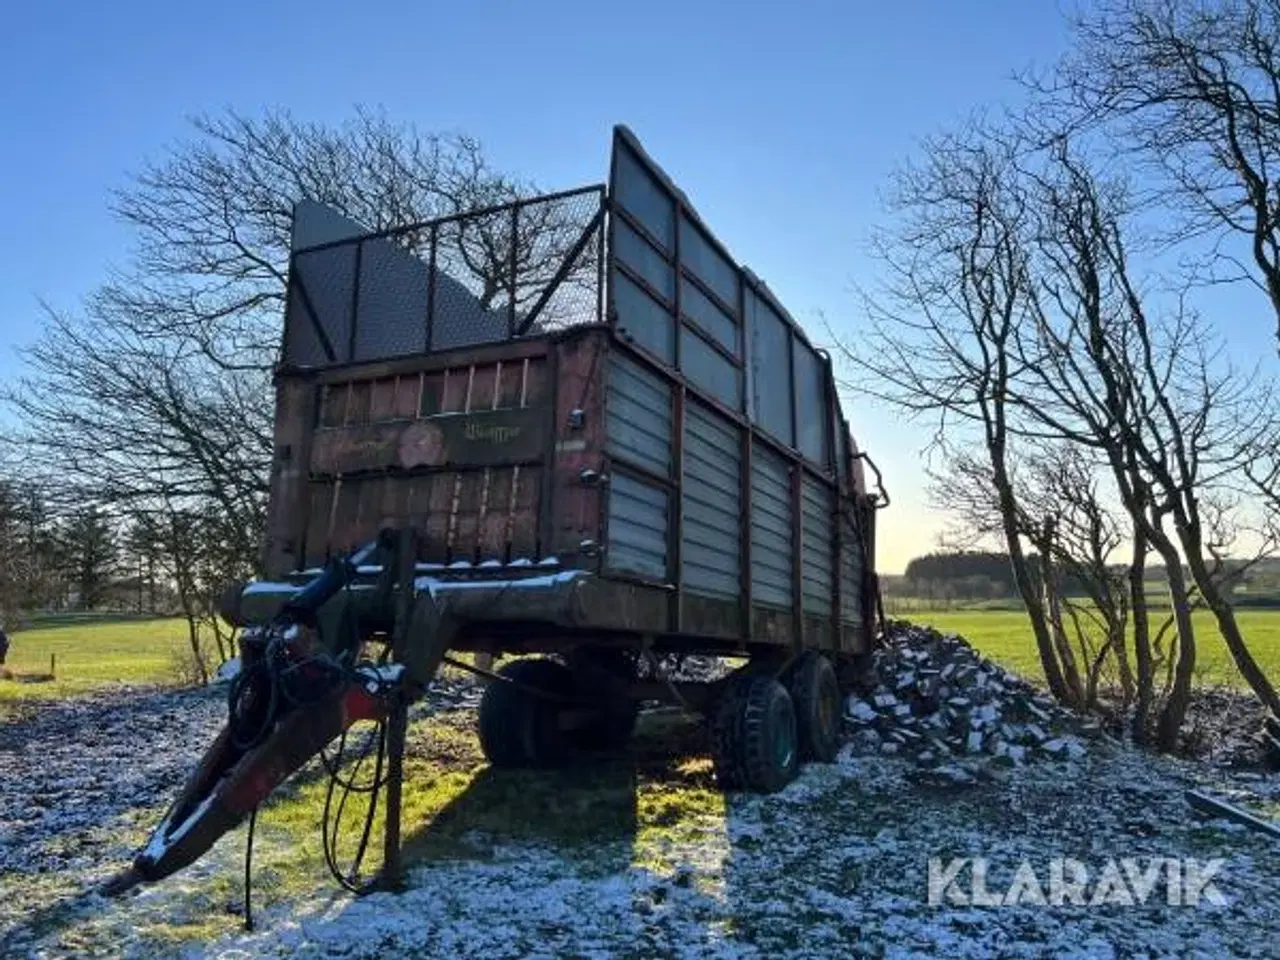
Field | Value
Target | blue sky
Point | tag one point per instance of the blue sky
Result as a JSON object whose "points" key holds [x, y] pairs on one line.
{"points": [[780, 121]]}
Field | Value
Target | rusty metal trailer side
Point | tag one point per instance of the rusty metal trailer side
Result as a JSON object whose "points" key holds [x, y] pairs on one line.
{"points": [[570, 424], [673, 432]]}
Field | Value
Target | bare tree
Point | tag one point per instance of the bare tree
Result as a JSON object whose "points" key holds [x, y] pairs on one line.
{"points": [[1176, 421], [943, 338], [1073, 524], [91, 550], [1014, 317], [1072, 521], [1193, 91], [155, 396]]}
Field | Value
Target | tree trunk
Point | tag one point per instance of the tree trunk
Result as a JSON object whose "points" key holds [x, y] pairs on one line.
{"points": [[1062, 645], [1145, 680], [1231, 635], [193, 636], [1116, 644], [1175, 706], [1026, 588], [216, 624]]}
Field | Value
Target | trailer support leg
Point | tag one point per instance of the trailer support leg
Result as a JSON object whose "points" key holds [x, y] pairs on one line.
{"points": [[397, 722]]}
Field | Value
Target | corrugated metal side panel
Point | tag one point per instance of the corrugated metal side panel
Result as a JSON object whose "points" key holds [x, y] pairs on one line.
{"points": [[712, 492], [638, 415], [638, 516], [851, 564], [770, 528], [816, 560]]}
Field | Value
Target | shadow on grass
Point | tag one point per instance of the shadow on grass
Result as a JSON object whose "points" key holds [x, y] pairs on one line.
{"points": [[594, 810], [604, 814]]}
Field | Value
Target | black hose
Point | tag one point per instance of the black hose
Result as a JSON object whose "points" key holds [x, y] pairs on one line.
{"points": [[331, 823], [248, 872]]}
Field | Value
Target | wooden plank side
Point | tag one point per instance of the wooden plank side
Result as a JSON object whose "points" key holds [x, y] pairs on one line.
{"points": [[455, 445], [346, 509], [487, 353], [483, 386], [510, 376], [495, 513], [524, 526], [408, 388], [382, 400], [369, 514], [439, 501], [288, 503], [466, 540], [333, 404], [534, 388], [359, 396], [319, 516], [432, 393], [454, 392]]}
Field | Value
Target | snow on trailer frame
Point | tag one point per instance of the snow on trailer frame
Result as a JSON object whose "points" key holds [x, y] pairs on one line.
{"points": [[515, 383]]}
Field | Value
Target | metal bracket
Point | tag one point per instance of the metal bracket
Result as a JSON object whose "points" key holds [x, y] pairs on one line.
{"points": [[881, 494]]}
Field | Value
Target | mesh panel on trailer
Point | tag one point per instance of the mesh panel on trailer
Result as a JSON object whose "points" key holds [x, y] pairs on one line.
{"points": [[472, 299], [484, 277]]}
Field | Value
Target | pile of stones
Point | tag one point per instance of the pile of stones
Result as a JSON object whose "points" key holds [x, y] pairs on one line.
{"points": [[933, 699]]}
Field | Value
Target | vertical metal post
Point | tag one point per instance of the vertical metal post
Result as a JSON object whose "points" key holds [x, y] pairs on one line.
{"points": [[431, 285], [832, 425], [405, 559], [675, 522], [744, 533], [748, 387], [514, 265], [678, 272], [355, 303], [604, 233], [794, 440], [797, 554], [397, 724]]}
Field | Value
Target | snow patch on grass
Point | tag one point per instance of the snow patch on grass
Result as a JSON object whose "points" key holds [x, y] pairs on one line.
{"points": [[645, 860]]}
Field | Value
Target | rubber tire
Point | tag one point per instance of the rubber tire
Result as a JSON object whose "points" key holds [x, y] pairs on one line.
{"points": [[754, 737], [815, 690], [616, 719], [519, 729]]}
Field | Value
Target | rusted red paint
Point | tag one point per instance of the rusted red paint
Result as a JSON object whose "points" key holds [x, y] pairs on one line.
{"points": [[434, 442], [287, 518], [577, 505], [382, 403], [488, 420]]}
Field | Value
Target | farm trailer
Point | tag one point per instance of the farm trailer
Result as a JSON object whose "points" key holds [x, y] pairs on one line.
{"points": [[570, 426]]}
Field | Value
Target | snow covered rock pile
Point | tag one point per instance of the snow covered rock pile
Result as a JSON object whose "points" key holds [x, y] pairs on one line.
{"points": [[934, 699]]}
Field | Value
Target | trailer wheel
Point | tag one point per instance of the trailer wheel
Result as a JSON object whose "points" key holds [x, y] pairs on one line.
{"points": [[753, 736], [605, 676], [815, 690], [519, 728]]}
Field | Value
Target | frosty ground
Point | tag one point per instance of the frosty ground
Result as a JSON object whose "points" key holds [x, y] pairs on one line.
{"points": [[635, 855]]}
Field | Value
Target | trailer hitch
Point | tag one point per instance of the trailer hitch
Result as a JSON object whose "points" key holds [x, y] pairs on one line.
{"points": [[294, 695]]}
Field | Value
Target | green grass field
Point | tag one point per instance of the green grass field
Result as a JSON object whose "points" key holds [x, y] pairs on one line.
{"points": [[90, 653], [1004, 636]]}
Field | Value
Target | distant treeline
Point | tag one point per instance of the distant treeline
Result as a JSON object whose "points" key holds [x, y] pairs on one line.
{"points": [[968, 575], [988, 575]]}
